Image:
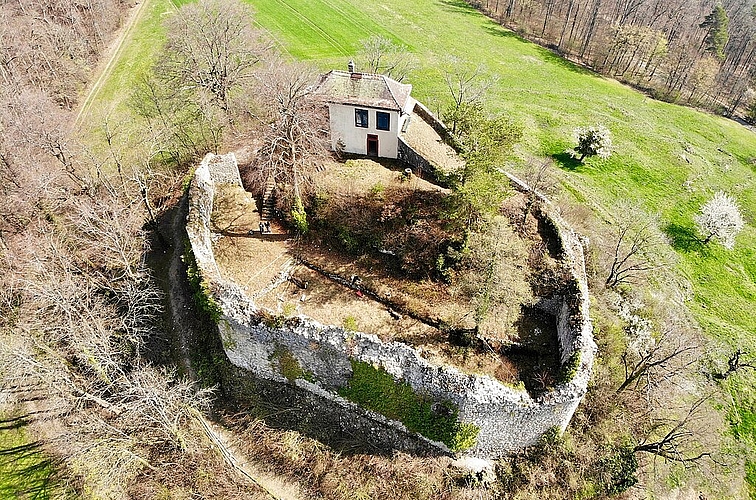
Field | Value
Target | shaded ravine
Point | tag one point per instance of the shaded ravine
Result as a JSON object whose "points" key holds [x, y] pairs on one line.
{"points": [[180, 317]]}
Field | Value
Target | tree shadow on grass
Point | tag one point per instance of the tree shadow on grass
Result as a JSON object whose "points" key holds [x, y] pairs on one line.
{"points": [[567, 161], [550, 56], [684, 239], [499, 30], [459, 6], [25, 471]]}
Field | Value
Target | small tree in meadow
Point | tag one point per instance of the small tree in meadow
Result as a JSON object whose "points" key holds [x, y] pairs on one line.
{"points": [[720, 218], [592, 141]]}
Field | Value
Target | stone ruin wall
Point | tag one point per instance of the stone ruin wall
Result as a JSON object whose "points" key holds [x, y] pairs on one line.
{"points": [[509, 418]]}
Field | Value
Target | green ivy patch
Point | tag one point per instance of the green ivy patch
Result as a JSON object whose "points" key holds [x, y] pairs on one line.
{"points": [[202, 296], [571, 367], [375, 389]]}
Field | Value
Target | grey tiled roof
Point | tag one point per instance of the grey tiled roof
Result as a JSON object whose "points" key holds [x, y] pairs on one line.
{"points": [[364, 89]]}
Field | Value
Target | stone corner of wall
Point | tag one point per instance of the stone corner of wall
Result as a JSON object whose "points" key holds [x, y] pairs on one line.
{"points": [[575, 326]]}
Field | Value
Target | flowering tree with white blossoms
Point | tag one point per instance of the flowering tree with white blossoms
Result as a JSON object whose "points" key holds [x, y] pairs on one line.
{"points": [[592, 141], [720, 218]]}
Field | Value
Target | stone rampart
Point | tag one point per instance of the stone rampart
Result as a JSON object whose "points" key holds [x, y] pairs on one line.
{"points": [[320, 358]]}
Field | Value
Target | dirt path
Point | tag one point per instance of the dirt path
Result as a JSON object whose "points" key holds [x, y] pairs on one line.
{"points": [[105, 68], [276, 488]]}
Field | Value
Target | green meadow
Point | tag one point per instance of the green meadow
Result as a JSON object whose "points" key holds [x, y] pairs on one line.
{"points": [[25, 472], [667, 158]]}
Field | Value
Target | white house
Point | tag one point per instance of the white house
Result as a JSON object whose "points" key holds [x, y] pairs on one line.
{"points": [[366, 111]]}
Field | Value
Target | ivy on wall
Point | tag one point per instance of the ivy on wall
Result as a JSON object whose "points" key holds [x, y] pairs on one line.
{"points": [[375, 389], [200, 289]]}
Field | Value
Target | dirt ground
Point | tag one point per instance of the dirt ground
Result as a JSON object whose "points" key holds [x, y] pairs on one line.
{"points": [[256, 261]]}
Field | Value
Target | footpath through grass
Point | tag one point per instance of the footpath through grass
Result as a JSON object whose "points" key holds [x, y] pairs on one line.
{"points": [[132, 61], [668, 159]]}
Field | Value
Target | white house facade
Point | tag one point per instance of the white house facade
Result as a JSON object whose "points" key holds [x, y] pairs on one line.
{"points": [[366, 112]]}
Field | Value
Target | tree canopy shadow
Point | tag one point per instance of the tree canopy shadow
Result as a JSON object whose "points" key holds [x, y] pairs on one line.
{"points": [[550, 56], [567, 161], [684, 238], [499, 30], [459, 6]]}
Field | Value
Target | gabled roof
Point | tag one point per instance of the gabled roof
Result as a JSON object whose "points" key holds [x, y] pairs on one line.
{"points": [[364, 89]]}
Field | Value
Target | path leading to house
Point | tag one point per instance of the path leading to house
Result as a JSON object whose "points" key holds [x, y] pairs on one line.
{"points": [[111, 55]]}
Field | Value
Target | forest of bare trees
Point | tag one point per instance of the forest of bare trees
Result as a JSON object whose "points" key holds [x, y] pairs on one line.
{"points": [[78, 303], [693, 52]]}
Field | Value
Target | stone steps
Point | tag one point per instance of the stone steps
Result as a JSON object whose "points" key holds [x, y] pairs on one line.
{"points": [[268, 200]]}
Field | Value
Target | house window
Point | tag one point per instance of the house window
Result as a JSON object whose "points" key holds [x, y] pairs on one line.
{"points": [[382, 121], [361, 118]]}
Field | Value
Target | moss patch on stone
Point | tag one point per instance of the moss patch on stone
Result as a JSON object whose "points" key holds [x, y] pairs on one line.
{"points": [[571, 367], [375, 389], [289, 366]]}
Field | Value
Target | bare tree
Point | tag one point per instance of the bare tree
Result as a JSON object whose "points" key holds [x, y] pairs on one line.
{"points": [[295, 139], [638, 247], [736, 362], [382, 56], [212, 48], [677, 438], [653, 359], [467, 87]]}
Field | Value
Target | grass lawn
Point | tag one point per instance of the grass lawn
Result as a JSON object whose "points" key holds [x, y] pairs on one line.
{"points": [[24, 470], [668, 158]]}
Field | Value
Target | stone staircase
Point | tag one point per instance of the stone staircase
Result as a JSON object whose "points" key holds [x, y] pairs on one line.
{"points": [[268, 200]]}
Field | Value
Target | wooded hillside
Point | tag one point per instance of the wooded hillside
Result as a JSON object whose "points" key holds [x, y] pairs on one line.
{"points": [[695, 52]]}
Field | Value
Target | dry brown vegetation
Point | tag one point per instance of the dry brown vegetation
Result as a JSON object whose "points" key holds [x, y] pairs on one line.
{"points": [[392, 232], [52, 45], [329, 474], [78, 305]]}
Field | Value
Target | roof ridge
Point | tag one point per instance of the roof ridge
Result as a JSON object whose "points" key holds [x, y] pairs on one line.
{"points": [[366, 89], [388, 80], [341, 71]]}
